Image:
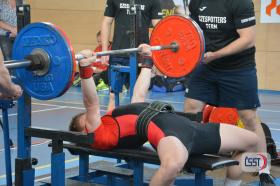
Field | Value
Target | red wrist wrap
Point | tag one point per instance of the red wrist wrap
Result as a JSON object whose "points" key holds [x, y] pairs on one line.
{"points": [[86, 72]]}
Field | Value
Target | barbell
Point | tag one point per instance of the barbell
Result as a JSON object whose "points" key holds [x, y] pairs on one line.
{"points": [[45, 62]]}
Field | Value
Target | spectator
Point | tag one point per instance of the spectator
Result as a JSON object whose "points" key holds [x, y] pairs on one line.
{"points": [[8, 26], [101, 72], [120, 12]]}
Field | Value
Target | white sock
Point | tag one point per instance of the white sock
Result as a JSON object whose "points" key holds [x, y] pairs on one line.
{"points": [[230, 182], [265, 170]]}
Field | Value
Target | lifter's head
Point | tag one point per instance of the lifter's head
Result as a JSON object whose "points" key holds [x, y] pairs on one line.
{"points": [[78, 123]]}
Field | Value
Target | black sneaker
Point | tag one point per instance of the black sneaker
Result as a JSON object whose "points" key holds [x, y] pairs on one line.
{"points": [[266, 180]]}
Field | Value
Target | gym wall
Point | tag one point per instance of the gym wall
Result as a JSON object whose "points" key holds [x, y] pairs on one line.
{"points": [[82, 19], [268, 52]]}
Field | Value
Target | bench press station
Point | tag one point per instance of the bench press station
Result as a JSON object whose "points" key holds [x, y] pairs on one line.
{"points": [[42, 51], [129, 173]]}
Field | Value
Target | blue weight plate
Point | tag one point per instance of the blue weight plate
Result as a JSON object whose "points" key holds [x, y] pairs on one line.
{"points": [[53, 41]]}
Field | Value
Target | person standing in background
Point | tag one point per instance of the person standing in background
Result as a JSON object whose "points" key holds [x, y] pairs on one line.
{"points": [[8, 26], [227, 76], [120, 12]]}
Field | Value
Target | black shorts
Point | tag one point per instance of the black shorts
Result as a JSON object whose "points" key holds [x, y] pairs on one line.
{"points": [[198, 138], [207, 139]]}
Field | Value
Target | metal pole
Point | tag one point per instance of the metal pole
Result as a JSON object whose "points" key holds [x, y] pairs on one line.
{"points": [[129, 50], [7, 146], [13, 64]]}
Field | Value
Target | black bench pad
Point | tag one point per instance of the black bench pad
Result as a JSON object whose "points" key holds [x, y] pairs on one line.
{"points": [[147, 155]]}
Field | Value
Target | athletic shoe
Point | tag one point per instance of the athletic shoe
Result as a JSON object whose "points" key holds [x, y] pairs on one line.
{"points": [[124, 89], [77, 80], [266, 180], [101, 86]]}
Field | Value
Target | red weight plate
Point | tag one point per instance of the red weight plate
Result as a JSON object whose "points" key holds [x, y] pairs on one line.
{"points": [[184, 32], [224, 115], [207, 112]]}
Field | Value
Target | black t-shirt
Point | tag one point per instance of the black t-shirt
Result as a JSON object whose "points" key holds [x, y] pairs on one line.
{"points": [[119, 9], [219, 20]]}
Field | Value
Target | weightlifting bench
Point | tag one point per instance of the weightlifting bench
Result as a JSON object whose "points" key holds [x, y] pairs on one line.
{"points": [[135, 159], [129, 173]]}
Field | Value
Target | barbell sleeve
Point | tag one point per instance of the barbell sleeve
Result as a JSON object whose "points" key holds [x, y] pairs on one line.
{"points": [[14, 64]]}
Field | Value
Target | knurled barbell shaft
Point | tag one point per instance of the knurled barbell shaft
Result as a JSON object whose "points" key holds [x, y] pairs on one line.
{"points": [[172, 46], [13, 64]]}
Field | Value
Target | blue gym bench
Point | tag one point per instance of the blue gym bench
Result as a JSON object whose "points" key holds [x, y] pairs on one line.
{"points": [[118, 174], [129, 173]]}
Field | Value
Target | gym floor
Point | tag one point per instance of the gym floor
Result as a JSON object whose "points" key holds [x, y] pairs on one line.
{"points": [[57, 113]]}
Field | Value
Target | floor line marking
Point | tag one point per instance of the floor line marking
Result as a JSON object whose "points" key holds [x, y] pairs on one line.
{"points": [[43, 166], [68, 102], [79, 108], [42, 110], [275, 129], [168, 101], [32, 145]]}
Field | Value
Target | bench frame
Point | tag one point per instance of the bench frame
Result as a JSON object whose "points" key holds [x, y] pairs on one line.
{"points": [[135, 159]]}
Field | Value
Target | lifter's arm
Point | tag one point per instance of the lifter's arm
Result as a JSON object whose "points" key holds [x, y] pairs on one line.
{"points": [[144, 79], [90, 97]]}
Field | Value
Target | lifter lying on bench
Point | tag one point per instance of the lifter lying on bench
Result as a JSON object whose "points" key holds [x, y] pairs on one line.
{"points": [[174, 137]]}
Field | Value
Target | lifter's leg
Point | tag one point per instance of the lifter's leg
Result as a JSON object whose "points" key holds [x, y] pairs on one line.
{"points": [[252, 122], [171, 161], [235, 138]]}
